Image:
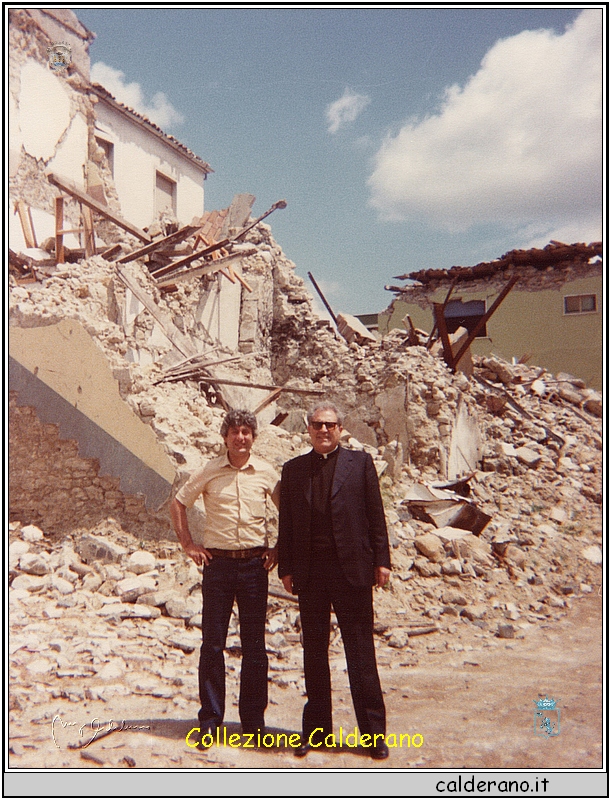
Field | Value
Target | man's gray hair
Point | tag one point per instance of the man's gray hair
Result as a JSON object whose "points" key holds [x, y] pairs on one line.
{"points": [[325, 407], [238, 417]]}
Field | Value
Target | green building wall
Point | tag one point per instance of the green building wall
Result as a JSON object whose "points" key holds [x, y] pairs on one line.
{"points": [[527, 322]]}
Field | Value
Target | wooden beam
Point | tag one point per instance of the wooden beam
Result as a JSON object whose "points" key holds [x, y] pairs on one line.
{"points": [[59, 233], [413, 338], [482, 321], [183, 262], [445, 302], [237, 276], [269, 399], [79, 194], [440, 323], [173, 238], [198, 272], [88, 231], [27, 226], [261, 386], [111, 251]]}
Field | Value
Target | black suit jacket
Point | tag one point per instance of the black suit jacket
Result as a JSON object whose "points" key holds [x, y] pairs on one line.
{"points": [[357, 513]]}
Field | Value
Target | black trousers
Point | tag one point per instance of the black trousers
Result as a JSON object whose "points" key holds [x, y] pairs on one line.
{"points": [[353, 608], [224, 580]]}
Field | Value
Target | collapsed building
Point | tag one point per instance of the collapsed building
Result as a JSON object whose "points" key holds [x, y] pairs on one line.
{"points": [[124, 357], [552, 317]]}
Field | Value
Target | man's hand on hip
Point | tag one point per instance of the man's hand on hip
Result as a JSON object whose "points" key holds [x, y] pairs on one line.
{"points": [[198, 553], [382, 576]]}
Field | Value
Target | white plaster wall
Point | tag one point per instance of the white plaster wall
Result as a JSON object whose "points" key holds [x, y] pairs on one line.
{"points": [[71, 154], [219, 311], [44, 110], [14, 136], [137, 157]]}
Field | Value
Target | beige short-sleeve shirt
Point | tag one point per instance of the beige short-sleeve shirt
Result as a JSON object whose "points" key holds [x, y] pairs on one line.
{"points": [[235, 501]]}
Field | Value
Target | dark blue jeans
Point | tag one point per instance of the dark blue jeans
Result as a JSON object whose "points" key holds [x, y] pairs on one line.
{"points": [[224, 580]]}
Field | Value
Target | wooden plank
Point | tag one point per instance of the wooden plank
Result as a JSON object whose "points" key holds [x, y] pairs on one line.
{"points": [[261, 386], [183, 262], [172, 238], [482, 321], [445, 302], [27, 226], [440, 322], [269, 399], [180, 342], [59, 234], [198, 272], [88, 231], [72, 189], [413, 338], [111, 251]]}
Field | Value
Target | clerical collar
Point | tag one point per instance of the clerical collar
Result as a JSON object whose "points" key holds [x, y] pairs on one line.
{"points": [[325, 456]]}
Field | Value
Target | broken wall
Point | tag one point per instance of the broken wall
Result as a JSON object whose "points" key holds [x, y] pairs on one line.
{"points": [[53, 484], [531, 320], [49, 113]]}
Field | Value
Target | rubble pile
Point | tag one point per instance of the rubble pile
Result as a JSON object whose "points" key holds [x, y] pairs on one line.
{"points": [[489, 553]]}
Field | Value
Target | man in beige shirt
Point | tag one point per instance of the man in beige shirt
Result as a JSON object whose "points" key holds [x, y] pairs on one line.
{"points": [[237, 558]]}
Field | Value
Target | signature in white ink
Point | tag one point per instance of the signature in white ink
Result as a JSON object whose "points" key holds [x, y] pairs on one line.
{"points": [[98, 728]]}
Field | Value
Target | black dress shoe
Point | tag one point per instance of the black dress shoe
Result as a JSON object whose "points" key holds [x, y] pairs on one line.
{"points": [[204, 734], [254, 731], [302, 750], [380, 751]]}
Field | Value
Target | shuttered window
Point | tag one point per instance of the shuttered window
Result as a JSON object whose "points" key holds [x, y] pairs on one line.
{"points": [[165, 194]]}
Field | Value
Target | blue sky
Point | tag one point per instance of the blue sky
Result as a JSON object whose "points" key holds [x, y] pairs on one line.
{"points": [[401, 138]]}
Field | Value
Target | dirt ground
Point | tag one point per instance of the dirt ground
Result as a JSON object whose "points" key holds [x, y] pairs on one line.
{"points": [[473, 707]]}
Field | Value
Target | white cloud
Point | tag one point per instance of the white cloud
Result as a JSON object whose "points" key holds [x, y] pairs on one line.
{"points": [[159, 109], [346, 109], [520, 144]]}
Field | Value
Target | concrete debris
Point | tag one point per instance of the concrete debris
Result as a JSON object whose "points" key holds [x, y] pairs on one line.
{"points": [[353, 330]]}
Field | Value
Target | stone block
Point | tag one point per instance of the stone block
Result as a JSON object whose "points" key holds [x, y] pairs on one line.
{"points": [[453, 597], [31, 533], [96, 548], [141, 561], [430, 546], [35, 563], [426, 568], [528, 456]]}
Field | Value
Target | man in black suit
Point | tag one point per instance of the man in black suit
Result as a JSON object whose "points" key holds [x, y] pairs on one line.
{"points": [[332, 548]]}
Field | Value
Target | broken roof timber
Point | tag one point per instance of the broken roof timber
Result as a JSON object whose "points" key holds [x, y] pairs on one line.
{"points": [[66, 185], [555, 255], [262, 386], [197, 272], [173, 238], [482, 321]]}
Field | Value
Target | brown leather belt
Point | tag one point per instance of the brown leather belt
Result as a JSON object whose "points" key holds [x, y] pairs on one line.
{"points": [[252, 552]]}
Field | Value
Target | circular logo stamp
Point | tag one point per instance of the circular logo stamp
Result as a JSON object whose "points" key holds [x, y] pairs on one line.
{"points": [[60, 56]]}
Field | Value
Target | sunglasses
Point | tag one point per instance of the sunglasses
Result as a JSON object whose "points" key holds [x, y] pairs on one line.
{"points": [[330, 426]]}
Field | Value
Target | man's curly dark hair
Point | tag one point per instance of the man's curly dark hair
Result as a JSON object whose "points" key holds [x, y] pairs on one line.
{"points": [[238, 417]]}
